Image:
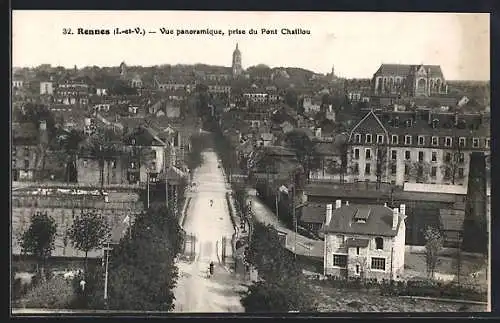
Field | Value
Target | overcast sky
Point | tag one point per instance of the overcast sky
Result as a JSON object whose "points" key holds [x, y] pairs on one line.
{"points": [[355, 43]]}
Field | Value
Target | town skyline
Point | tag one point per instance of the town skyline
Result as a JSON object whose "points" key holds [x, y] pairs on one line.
{"points": [[324, 48]]}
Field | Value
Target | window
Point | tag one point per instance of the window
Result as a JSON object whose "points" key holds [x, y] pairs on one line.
{"points": [[132, 165], [393, 169], [379, 243], [340, 261], [133, 141], [421, 140], [26, 164], [433, 171], [394, 139], [407, 140], [368, 139], [367, 169], [357, 138], [487, 143], [378, 263], [355, 168], [434, 156], [420, 156], [407, 155], [461, 141], [84, 163], [368, 153], [113, 163], [435, 141], [340, 239], [357, 268], [356, 153], [461, 173], [461, 158], [394, 155], [380, 139], [153, 154], [407, 170], [357, 250], [475, 142], [448, 142]]}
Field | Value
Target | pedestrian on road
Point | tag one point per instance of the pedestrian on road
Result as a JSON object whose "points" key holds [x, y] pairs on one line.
{"points": [[211, 268], [211, 203]]}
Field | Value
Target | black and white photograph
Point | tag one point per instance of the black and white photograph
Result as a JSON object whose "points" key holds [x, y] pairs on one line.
{"points": [[249, 162]]}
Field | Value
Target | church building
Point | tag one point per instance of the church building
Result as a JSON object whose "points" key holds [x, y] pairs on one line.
{"points": [[409, 80]]}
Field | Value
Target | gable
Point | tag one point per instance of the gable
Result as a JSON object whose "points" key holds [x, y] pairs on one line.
{"points": [[370, 124]]}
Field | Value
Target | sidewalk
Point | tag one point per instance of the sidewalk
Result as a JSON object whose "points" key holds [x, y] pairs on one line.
{"points": [[305, 246]]}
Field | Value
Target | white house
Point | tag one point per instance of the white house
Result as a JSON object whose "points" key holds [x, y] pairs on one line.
{"points": [[366, 241]]}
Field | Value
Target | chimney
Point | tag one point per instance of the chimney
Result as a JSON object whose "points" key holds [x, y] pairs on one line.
{"points": [[329, 208], [395, 216], [402, 209], [338, 204]]}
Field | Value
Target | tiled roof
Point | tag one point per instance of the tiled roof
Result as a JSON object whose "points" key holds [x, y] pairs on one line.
{"points": [[452, 220], [313, 213], [379, 221]]}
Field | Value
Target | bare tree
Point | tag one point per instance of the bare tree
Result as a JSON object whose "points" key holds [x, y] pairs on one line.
{"points": [[419, 170], [433, 244], [381, 165], [453, 160]]}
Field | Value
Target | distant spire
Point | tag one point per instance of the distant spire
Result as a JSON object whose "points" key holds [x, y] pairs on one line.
{"points": [[236, 45]]}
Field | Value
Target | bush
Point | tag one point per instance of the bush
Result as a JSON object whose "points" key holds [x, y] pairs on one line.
{"points": [[56, 293]]}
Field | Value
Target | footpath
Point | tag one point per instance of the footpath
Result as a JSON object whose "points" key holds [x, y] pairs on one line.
{"points": [[304, 246]]}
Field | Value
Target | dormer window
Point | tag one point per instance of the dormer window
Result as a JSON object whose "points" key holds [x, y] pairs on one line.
{"points": [[435, 140], [475, 142], [394, 139], [396, 122], [421, 140], [461, 141], [407, 140], [448, 141], [409, 123], [487, 143], [380, 139], [435, 123], [368, 138], [357, 138]]}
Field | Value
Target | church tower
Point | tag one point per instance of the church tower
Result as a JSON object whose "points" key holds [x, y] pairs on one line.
{"points": [[237, 69], [123, 70]]}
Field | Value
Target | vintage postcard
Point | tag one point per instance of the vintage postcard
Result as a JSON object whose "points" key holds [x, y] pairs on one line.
{"points": [[250, 162]]}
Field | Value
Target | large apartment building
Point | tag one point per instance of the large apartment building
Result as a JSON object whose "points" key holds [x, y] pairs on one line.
{"points": [[421, 146]]}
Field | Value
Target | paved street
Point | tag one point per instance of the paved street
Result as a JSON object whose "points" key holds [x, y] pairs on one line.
{"points": [[195, 292]]}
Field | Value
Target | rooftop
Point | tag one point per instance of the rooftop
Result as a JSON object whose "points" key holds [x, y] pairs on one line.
{"points": [[378, 220]]}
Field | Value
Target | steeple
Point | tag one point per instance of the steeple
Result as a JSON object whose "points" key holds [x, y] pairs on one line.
{"points": [[236, 64]]}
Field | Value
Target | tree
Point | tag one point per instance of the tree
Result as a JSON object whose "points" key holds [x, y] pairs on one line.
{"points": [[433, 245], [381, 163], [282, 287], [70, 142], [453, 160], [418, 170], [38, 240], [283, 296], [142, 271], [304, 149], [89, 231]]}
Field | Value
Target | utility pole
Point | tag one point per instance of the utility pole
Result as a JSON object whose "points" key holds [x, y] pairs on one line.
{"points": [[147, 190], [107, 250]]}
